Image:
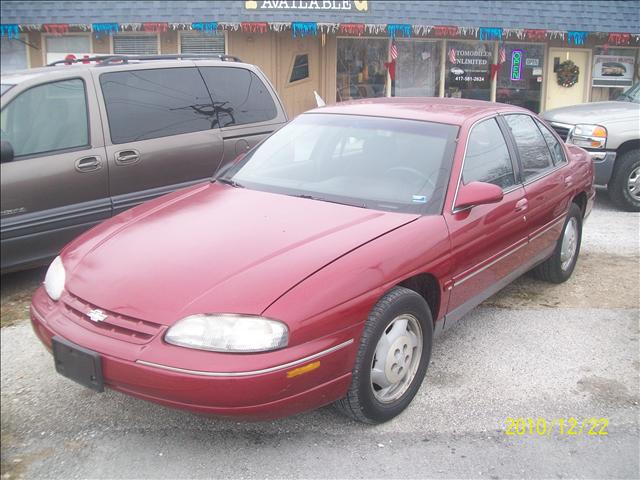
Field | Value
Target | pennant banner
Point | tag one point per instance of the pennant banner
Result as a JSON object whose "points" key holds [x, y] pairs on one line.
{"points": [[445, 31], [399, 29], [9, 30], [304, 29], [104, 28], [577, 38], [490, 33], [351, 29], [56, 28], [254, 27], [535, 35], [619, 38], [206, 27], [157, 27]]}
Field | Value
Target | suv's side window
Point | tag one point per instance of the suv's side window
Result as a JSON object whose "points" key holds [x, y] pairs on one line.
{"points": [[487, 158], [240, 96], [535, 157], [47, 118], [554, 145], [144, 104]]}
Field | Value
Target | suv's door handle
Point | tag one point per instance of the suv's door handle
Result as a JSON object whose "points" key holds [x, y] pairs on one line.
{"points": [[127, 157], [88, 164], [522, 205]]}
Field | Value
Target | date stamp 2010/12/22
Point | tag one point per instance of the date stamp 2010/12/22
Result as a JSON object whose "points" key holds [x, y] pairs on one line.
{"points": [[560, 426]]}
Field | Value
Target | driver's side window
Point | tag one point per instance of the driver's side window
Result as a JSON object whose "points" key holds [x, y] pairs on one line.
{"points": [[487, 157], [47, 118]]}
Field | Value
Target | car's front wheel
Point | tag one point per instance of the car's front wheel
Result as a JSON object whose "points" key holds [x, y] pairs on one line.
{"points": [[392, 358], [624, 187]]}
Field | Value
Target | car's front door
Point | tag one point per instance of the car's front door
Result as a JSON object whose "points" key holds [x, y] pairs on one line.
{"points": [[161, 132], [487, 241], [546, 183], [57, 184]]}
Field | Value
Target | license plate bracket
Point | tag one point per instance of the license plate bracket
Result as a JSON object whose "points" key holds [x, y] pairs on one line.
{"points": [[78, 364]]}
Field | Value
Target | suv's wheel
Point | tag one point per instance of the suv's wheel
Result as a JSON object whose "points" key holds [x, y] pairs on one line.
{"points": [[624, 187], [392, 359], [559, 266]]}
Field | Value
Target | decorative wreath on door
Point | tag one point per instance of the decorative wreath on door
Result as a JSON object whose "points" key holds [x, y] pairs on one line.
{"points": [[568, 73]]}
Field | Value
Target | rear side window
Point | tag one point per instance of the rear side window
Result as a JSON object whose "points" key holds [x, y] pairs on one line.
{"points": [[487, 158], [47, 118], [535, 156], [144, 104], [554, 146], [239, 96]]}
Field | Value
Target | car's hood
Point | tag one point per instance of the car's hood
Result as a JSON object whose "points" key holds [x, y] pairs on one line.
{"points": [[595, 113], [214, 248]]}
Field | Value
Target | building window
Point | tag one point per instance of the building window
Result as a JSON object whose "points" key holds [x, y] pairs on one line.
{"points": [[58, 48], [14, 55], [417, 68], [201, 43], [468, 70], [132, 44], [520, 77], [361, 68], [613, 72], [300, 68]]}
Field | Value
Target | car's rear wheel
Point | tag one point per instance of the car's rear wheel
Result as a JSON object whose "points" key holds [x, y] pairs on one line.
{"points": [[624, 187], [392, 358], [560, 265]]}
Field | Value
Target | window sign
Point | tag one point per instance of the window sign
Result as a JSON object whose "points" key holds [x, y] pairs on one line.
{"points": [[468, 70], [516, 65], [613, 70]]}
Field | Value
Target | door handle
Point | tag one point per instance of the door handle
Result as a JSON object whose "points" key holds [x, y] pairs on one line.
{"points": [[127, 157], [568, 181], [522, 205], [88, 164]]}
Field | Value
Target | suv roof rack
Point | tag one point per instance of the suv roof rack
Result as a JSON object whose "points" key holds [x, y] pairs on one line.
{"points": [[104, 60]]}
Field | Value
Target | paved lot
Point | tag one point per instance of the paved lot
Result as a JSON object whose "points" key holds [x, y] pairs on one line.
{"points": [[533, 350]]}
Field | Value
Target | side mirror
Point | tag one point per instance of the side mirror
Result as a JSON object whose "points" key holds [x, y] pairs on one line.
{"points": [[6, 151], [477, 193]]}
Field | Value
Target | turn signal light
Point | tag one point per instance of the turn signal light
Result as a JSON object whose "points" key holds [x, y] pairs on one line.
{"points": [[599, 132], [309, 367]]}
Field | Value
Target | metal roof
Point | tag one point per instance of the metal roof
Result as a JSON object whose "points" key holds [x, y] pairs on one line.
{"points": [[590, 16]]}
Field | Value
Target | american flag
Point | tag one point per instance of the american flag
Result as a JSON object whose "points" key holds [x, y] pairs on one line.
{"points": [[393, 51], [452, 56], [502, 55]]}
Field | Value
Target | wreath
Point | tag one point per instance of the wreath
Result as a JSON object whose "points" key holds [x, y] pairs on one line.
{"points": [[568, 73]]}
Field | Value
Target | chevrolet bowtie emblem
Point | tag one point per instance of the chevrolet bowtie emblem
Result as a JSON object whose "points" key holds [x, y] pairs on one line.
{"points": [[96, 315]]}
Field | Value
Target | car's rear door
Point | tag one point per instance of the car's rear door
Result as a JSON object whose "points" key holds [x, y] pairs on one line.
{"points": [[546, 180], [487, 241], [57, 184], [248, 109], [160, 131]]}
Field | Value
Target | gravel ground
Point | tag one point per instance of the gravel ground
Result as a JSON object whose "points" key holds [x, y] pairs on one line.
{"points": [[532, 350]]}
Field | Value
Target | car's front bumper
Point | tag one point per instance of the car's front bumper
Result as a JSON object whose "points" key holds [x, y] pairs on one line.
{"points": [[256, 394], [603, 163]]}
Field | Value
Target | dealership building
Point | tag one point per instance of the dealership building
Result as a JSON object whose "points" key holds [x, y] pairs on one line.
{"points": [[538, 55]]}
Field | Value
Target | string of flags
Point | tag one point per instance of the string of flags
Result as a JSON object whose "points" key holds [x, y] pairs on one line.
{"points": [[304, 29]]}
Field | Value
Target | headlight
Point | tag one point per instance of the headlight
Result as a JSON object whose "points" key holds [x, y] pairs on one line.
{"points": [[228, 333], [589, 136], [54, 279]]}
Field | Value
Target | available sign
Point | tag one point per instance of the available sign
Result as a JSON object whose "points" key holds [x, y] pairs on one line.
{"points": [[333, 5], [613, 71]]}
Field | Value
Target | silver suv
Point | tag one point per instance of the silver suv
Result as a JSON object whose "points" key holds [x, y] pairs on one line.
{"points": [[610, 131], [82, 142]]}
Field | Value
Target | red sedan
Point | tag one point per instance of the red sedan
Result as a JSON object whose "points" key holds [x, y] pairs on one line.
{"points": [[319, 267]]}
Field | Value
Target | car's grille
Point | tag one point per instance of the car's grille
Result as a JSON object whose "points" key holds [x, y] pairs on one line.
{"points": [[562, 130], [124, 328]]}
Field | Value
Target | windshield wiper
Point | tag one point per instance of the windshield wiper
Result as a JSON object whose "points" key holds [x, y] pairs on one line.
{"points": [[228, 181], [312, 197]]}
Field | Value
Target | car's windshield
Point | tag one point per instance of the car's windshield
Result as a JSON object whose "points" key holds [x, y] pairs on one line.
{"points": [[4, 87], [631, 95], [378, 163]]}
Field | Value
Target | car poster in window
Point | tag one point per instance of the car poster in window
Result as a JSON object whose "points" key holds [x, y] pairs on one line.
{"points": [[613, 71]]}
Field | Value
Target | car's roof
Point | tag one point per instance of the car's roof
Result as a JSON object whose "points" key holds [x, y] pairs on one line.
{"points": [[22, 75], [440, 110]]}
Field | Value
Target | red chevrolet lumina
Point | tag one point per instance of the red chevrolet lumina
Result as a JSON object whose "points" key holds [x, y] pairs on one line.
{"points": [[319, 267]]}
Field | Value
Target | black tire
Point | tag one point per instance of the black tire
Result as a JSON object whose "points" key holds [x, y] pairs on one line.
{"points": [[551, 269], [360, 403], [626, 164]]}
